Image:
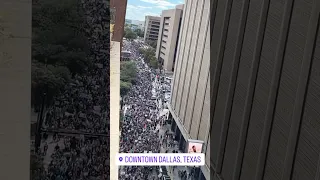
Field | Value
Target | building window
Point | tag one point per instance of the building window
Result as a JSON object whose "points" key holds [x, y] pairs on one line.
{"points": [[153, 33], [161, 60], [152, 29]]}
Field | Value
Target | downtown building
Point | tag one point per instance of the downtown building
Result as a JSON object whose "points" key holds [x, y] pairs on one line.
{"points": [[189, 106], [118, 11], [265, 93], [168, 37], [151, 28], [263, 121]]}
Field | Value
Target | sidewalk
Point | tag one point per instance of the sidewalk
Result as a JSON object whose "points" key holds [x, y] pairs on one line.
{"points": [[174, 175]]}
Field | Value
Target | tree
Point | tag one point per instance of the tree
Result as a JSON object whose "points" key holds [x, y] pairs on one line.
{"points": [[148, 53], [129, 34], [152, 43], [58, 35], [124, 87], [139, 32], [47, 79], [128, 75], [154, 62], [128, 71], [60, 47], [141, 50]]}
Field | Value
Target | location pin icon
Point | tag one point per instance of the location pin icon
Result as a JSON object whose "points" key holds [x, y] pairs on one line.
{"points": [[120, 159]]}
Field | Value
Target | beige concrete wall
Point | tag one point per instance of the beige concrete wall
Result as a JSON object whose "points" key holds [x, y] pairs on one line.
{"points": [[181, 44], [148, 26], [114, 109], [203, 81], [201, 54], [190, 54], [15, 89], [180, 6], [170, 45], [185, 58], [190, 101], [159, 36]]}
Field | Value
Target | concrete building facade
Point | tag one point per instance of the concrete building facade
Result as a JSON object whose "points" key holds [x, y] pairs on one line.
{"points": [[118, 10], [190, 95], [168, 37], [151, 28], [15, 89], [265, 90]]}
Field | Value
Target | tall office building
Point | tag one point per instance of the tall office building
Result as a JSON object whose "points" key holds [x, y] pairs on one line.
{"points": [[168, 37], [265, 90], [151, 28], [190, 99]]}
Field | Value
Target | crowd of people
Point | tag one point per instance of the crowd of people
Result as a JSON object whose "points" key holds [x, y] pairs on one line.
{"points": [[141, 122], [81, 113], [83, 106], [80, 158]]}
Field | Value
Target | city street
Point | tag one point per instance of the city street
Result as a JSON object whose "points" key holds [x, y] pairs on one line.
{"points": [[144, 127], [75, 128], [138, 131]]}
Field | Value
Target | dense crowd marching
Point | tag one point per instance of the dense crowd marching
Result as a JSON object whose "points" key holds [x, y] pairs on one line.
{"points": [[141, 123], [82, 109]]}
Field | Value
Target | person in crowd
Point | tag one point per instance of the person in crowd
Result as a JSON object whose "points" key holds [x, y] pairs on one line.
{"points": [[77, 124]]}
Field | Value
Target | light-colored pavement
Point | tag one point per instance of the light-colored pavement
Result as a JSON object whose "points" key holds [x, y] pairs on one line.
{"points": [[172, 172]]}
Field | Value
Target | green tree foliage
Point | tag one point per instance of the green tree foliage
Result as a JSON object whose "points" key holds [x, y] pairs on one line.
{"points": [[148, 54], [124, 87], [129, 34], [152, 43], [128, 75], [128, 71], [154, 62], [59, 47], [58, 36], [141, 50], [47, 79], [139, 32]]}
